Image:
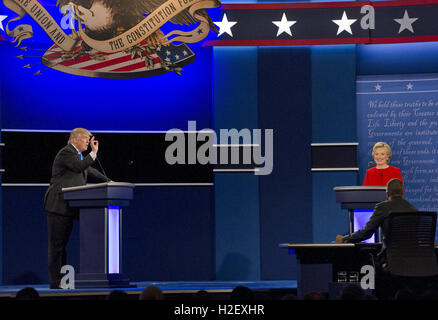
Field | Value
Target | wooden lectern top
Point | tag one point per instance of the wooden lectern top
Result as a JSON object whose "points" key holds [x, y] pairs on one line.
{"points": [[100, 185], [106, 190], [359, 197], [357, 188]]}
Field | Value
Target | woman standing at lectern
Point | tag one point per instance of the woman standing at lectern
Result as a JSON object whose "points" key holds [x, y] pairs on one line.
{"points": [[382, 172]]}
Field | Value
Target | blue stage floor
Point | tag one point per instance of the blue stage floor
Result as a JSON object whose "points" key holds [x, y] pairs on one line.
{"points": [[168, 287]]}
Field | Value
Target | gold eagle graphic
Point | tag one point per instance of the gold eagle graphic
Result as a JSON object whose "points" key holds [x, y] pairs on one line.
{"points": [[106, 19]]}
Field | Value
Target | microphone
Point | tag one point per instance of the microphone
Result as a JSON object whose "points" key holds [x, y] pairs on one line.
{"points": [[97, 159], [370, 164], [100, 165]]}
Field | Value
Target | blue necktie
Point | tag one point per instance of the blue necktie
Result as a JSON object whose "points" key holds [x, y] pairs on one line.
{"points": [[80, 154]]}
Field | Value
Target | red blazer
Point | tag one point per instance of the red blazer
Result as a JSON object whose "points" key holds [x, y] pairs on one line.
{"points": [[380, 177]]}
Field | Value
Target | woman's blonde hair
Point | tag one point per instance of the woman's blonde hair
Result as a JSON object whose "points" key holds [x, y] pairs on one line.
{"points": [[385, 146], [76, 133]]}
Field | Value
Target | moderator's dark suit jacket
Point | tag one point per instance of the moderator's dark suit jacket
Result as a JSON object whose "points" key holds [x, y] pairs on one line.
{"points": [[378, 219], [69, 170]]}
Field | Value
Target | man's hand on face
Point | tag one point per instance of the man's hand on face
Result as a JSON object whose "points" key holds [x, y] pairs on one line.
{"points": [[94, 144]]}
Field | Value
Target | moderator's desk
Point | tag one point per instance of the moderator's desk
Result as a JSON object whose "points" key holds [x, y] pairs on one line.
{"points": [[320, 264]]}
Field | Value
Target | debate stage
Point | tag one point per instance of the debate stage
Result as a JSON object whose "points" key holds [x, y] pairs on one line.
{"points": [[172, 290]]}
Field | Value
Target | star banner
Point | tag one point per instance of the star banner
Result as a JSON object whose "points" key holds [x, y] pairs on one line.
{"points": [[360, 22]]}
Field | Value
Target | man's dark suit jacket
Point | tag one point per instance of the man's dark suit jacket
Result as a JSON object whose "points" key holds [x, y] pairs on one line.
{"points": [[378, 219], [69, 170]]}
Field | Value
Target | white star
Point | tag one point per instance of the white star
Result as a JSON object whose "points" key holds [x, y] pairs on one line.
{"points": [[225, 25], [284, 25], [185, 52], [344, 24], [378, 87], [406, 22], [176, 57], [409, 86], [1, 20]]}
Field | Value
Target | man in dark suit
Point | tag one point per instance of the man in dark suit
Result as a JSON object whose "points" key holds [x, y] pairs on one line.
{"points": [[385, 286], [394, 192], [70, 169]]}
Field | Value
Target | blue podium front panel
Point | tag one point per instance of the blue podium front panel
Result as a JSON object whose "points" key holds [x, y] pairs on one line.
{"points": [[100, 240], [360, 219]]}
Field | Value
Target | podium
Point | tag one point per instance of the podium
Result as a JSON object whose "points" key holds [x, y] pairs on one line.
{"points": [[100, 229], [358, 197]]}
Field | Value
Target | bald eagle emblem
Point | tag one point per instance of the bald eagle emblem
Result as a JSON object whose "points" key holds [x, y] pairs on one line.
{"points": [[118, 38]]}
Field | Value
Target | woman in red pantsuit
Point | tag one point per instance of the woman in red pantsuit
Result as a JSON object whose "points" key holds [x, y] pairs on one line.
{"points": [[382, 172]]}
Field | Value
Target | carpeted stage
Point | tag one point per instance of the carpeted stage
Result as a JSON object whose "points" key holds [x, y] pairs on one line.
{"points": [[172, 290]]}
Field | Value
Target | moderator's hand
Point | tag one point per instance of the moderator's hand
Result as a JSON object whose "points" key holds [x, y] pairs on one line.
{"points": [[339, 238], [94, 144]]}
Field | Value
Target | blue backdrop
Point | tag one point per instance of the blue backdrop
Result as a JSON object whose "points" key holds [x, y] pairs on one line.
{"points": [[60, 101], [403, 111]]}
